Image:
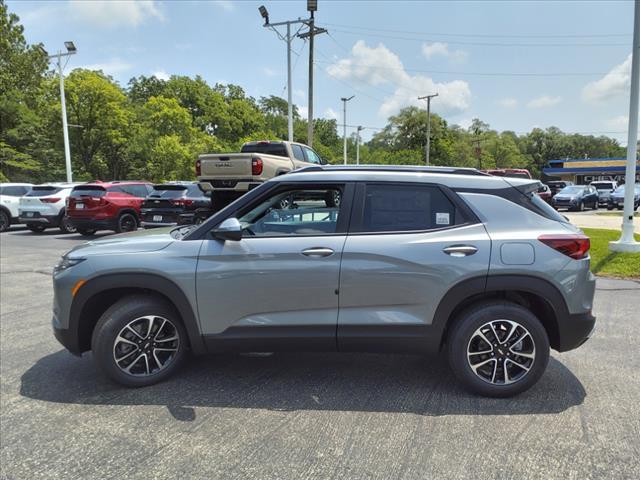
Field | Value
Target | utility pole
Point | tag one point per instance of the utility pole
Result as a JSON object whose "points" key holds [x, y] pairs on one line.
{"points": [[428, 146], [265, 14], [478, 152], [312, 6], [71, 50], [344, 124], [358, 130], [627, 242]]}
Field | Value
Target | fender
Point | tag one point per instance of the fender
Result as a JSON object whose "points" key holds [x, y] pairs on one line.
{"points": [[146, 281]]}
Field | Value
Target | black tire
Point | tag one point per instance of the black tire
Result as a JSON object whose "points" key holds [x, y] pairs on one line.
{"points": [[580, 207], [104, 342], [594, 206], [87, 232], [5, 221], [464, 331], [36, 228], [127, 222], [620, 208], [66, 226], [333, 198], [609, 207]]}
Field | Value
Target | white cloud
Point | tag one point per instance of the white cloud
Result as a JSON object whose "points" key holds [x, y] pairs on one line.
{"points": [[226, 5], [379, 65], [297, 93], [613, 84], [430, 50], [508, 102], [544, 101], [110, 67], [161, 74], [269, 72], [303, 111], [621, 122], [116, 13], [330, 113]]}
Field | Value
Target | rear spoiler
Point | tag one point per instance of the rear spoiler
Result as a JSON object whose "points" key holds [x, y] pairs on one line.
{"points": [[523, 185]]}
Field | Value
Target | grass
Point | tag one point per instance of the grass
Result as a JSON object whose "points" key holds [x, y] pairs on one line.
{"points": [[616, 214], [611, 264]]}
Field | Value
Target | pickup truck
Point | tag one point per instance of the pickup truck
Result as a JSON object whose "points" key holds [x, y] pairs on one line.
{"points": [[227, 176]]}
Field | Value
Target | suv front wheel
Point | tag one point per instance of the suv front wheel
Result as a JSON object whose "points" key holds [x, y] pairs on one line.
{"points": [[498, 349], [139, 341]]}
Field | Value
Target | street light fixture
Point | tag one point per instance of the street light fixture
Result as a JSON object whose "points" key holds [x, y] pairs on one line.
{"points": [[71, 50], [265, 14], [312, 5], [344, 124]]}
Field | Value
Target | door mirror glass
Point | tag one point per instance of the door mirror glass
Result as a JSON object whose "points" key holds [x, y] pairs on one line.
{"points": [[230, 229]]}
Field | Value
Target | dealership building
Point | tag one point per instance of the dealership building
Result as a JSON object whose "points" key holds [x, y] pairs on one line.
{"points": [[583, 171]]}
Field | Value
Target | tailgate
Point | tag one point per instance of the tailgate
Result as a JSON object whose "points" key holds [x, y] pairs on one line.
{"points": [[232, 165]]}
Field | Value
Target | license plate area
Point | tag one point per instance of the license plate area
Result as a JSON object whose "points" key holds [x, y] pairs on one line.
{"points": [[80, 206], [157, 218]]}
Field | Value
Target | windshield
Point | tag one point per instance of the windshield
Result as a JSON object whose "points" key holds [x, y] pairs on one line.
{"points": [[603, 185], [88, 191], [168, 191], [270, 148], [571, 190]]}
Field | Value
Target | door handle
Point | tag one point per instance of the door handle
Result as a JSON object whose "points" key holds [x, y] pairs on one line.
{"points": [[317, 252], [460, 250]]}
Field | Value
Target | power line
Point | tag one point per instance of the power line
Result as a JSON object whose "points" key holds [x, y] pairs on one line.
{"points": [[484, 44], [484, 74], [484, 35]]}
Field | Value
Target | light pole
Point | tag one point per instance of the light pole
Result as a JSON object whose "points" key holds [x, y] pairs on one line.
{"points": [[627, 243], [265, 14], [358, 130], [312, 6], [428, 146], [344, 124], [71, 50]]}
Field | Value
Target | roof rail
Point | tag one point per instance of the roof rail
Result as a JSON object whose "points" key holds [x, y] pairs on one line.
{"points": [[394, 168]]}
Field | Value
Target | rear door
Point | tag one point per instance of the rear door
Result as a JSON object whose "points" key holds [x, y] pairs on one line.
{"points": [[408, 244]]}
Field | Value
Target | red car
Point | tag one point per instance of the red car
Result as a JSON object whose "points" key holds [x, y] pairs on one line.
{"points": [[510, 172], [107, 206]]}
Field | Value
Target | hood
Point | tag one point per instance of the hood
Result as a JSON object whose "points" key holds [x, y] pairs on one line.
{"points": [[133, 242]]}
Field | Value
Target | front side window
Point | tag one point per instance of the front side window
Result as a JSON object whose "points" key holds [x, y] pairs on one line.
{"points": [[312, 157], [297, 152], [296, 211], [401, 208]]}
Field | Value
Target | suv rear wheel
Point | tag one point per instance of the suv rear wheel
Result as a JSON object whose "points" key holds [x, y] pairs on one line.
{"points": [[66, 226], [498, 349], [139, 341], [127, 222]]}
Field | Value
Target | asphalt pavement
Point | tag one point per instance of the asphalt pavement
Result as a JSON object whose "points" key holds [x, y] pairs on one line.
{"points": [[301, 416]]}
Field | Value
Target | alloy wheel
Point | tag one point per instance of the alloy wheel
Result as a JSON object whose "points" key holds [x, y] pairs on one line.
{"points": [[501, 352], [66, 225], [128, 223], [146, 346]]}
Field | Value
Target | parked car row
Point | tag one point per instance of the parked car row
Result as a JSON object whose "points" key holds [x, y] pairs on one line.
{"points": [[601, 193], [86, 208]]}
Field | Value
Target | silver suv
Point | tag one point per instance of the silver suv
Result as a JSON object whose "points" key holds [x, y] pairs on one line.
{"points": [[411, 260]]}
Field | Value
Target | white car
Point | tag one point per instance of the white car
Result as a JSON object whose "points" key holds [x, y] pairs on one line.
{"points": [[45, 207], [10, 194]]}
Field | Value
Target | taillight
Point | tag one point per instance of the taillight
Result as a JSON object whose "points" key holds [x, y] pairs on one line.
{"points": [[50, 200], [256, 166], [198, 168], [572, 245], [182, 202]]}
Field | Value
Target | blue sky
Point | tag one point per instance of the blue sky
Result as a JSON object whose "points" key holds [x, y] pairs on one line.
{"points": [[515, 65]]}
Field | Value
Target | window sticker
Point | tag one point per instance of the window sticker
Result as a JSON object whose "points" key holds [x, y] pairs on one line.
{"points": [[442, 218]]}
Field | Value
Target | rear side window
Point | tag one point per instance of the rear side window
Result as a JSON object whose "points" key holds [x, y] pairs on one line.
{"points": [[88, 191], [42, 191], [404, 208], [297, 152], [14, 190], [135, 190], [269, 148]]}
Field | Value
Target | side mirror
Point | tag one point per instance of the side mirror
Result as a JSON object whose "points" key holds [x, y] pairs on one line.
{"points": [[230, 229]]}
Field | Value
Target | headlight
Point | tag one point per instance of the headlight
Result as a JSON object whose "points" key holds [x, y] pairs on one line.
{"points": [[66, 262]]}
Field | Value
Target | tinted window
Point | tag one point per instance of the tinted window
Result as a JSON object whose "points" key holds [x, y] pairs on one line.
{"points": [[397, 208], [270, 148], [194, 191], [297, 152], [168, 191], [13, 190], [42, 191], [303, 211], [135, 190], [88, 190], [312, 157]]}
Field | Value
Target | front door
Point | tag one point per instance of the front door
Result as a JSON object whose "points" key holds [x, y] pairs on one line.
{"points": [[277, 287]]}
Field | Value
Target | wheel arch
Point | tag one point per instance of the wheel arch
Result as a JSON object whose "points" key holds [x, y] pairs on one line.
{"points": [[536, 294], [98, 294]]}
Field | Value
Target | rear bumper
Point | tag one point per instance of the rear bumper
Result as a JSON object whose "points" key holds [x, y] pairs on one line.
{"points": [[240, 185], [91, 224], [575, 330], [37, 218]]}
